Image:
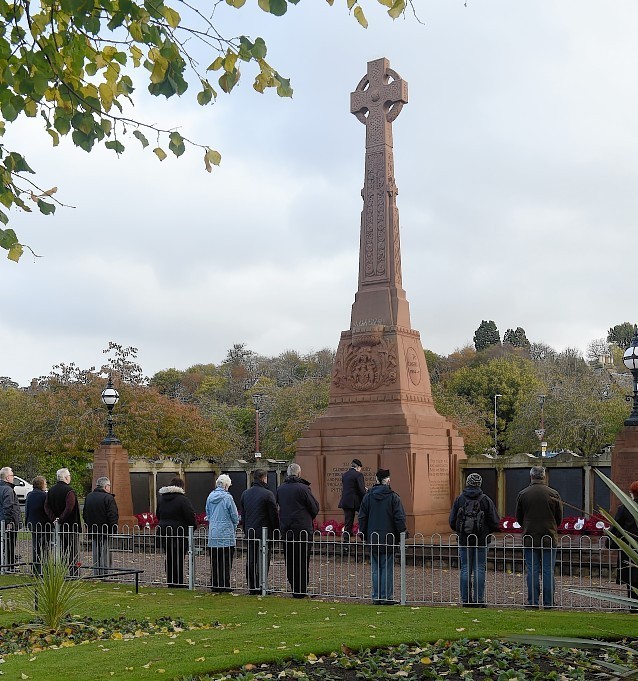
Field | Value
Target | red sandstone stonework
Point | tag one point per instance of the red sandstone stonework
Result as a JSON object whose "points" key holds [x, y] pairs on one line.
{"points": [[624, 461], [381, 408]]}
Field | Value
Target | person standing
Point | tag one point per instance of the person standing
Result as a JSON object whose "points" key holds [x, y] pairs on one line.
{"points": [[539, 511], [473, 517], [10, 513], [258, 508], [175, 514], [101, 517], [37, 522], [381, 521], [222, 524], [627, 572], [62, 508], [353, 490], [297, 509]]}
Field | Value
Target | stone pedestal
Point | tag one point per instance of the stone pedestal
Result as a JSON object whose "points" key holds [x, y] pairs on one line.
{"points": [[111, 460], [392, 426], [624, 461]]}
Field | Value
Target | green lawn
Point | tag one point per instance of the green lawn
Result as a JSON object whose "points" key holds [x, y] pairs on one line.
{"points": [[255, 630]]}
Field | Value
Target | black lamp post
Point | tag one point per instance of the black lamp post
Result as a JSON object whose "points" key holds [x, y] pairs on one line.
{"points": [[257, 397], [110, 397], [630, 360]]}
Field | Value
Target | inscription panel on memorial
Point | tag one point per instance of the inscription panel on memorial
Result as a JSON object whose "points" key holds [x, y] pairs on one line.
{"points": [[439, 481]]}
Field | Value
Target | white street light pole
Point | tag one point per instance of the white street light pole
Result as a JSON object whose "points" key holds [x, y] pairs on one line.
{"points": [[495, 424]]}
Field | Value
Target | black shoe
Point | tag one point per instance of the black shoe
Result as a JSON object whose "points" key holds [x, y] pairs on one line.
{"points": [[386, 601], [300, 596], [529, 606]]}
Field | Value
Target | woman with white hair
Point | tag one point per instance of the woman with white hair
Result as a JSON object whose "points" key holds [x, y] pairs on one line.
{"points": [[222, 524]]}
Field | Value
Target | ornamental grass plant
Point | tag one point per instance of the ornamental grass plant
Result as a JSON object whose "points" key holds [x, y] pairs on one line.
{"points": [[52, 596]]}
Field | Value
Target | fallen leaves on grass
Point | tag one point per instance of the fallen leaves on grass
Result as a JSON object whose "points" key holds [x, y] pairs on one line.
{"points": [[478, 660]]}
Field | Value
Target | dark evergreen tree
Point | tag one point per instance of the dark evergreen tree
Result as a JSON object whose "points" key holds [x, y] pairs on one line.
{"points": [[487, 334], [517, 338]]}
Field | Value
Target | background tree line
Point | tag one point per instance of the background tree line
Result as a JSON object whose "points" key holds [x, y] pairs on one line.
{"points": [[208, 411]]}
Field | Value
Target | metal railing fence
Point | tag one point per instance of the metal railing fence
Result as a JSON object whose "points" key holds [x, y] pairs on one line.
{"points": [[424, 569]]}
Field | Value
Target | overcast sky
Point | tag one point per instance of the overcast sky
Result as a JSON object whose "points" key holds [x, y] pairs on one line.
{"points": [[516, 162]]}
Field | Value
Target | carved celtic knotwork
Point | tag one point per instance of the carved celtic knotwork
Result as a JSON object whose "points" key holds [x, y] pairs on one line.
{"points": [[363, 366]]}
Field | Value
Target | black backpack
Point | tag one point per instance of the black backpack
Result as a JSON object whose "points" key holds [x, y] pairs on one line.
{"points": [[470, 519]]}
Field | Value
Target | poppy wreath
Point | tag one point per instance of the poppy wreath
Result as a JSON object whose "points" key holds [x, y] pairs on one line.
{"points": [[146, 521]]}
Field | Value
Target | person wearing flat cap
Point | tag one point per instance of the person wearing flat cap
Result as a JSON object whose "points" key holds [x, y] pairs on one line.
{"points": [[473, 517], [353, 491], [381, 521]]}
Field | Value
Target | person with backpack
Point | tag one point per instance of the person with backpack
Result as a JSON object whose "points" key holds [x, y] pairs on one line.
{"points": [[474, 518]]}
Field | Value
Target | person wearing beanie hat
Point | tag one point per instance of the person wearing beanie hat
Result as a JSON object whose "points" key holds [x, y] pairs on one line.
{"points": [[381, 521], [352, 491], [473, 517]]}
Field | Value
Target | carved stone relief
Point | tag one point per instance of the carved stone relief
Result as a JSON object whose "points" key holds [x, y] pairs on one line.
{"points": [[366, 364]]}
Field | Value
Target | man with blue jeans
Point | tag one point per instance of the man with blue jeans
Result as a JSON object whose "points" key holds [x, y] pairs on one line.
{"points": [[473, 539], [381, 521], [539, 510]]}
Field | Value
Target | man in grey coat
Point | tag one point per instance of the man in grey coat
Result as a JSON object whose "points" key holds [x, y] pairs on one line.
{"points": [[10, 513], [539, 510]]}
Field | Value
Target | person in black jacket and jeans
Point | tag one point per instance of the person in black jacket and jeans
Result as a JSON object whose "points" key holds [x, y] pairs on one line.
{"points": [[297, 510], [381, 521], [473, 547], [101, 516], [258, 509]]}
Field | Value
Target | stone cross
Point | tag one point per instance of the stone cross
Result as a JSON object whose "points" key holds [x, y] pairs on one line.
{"points": [[380, 299], [378, 100]]}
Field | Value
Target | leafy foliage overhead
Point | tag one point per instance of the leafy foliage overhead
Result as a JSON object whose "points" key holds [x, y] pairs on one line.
{"points": [[74, 64]]}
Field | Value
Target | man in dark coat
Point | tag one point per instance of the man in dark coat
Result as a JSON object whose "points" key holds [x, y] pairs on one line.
{"points": [[62, 507], [473, 547], [10, 513], [258, 509], [38, 522], [353, 491], [175, 514], [297, 510], [101, 517], [539, 510], [381, 521]]}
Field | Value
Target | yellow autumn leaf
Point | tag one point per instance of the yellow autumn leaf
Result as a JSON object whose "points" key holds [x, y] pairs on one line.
{"points": [[23, 676], [236, 651], [426, 660], [312, 657], [360, 16], [190, 641], [461, 629], [161, 671], [200, 659], [147, 665]]}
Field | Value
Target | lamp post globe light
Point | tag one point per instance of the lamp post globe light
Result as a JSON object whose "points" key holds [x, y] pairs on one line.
{"points": [[630, 360], [110, 397]]}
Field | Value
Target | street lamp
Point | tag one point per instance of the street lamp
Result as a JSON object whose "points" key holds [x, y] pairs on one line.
{"points": [[495, 425], [630, 360], [110, 397], [257, 398], [540, 433]]}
